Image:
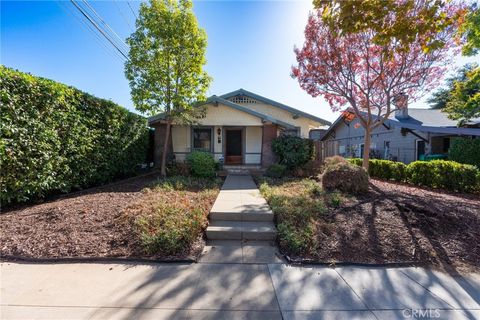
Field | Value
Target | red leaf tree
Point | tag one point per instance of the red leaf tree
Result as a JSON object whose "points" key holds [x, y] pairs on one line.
{"points": [[350, 69]]}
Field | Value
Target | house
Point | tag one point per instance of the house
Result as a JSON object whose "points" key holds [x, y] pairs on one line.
{"points": [[407, 135], [238, 128]]}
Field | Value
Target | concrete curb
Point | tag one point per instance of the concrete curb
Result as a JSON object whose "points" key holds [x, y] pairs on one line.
{"points": [[20, 259]]}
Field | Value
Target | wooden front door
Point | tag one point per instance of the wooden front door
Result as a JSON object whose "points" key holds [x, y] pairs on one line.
{"points": [[233, 146]]}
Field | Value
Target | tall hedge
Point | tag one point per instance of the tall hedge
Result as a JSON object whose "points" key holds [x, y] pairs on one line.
{"points": [[465, 150], [55, 138]]}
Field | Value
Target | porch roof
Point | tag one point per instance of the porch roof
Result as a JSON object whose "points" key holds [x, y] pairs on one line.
{"points": [[216, 99]]}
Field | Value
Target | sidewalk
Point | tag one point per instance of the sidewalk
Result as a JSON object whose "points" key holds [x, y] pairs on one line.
{"points": [[231, 291]]}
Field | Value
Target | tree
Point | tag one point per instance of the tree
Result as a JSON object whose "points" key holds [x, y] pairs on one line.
{"points": [[393, 19], [352, 69], [439, 98], [464, 100], [165, 66], [470, 31]]}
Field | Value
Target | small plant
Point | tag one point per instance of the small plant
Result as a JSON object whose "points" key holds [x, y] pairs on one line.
{"points": [[201, 164], [346, 177], [169, 229], [276, 170]]}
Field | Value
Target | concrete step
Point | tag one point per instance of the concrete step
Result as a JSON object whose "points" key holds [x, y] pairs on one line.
{"points": [[242, 216], [233, 230]]}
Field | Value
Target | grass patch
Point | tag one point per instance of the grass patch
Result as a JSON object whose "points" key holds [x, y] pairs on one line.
{"points": [[301, 208], [173, 213]]}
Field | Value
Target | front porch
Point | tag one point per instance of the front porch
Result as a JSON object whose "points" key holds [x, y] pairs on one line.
{"points": [[240, 148]]}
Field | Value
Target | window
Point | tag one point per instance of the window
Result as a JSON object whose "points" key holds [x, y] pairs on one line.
{"points": [[291, 132], [202, 139], [386, 154]]}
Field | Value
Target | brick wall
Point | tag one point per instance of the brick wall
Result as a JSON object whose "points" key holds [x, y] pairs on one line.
{"points": [[269, 133]]}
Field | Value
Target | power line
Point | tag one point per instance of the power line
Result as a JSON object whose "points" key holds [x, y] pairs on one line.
{"points": [[133, 12], [106, 24], [91, 20], [123, 16], [88, 27]]}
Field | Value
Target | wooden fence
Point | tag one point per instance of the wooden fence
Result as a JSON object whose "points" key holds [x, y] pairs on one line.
{"points": [[324, 149]]}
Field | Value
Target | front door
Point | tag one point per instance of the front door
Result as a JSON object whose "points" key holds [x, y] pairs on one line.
{"points": [[233, 148]]}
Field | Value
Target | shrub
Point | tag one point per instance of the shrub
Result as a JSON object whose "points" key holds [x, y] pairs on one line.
{"points": [[449, 175], [346, 177], [178, 169], [383, 169], [276, 170], [201, 164], [333, 161], [55, 138], [292, 151], [311, 169], [466, 151]]}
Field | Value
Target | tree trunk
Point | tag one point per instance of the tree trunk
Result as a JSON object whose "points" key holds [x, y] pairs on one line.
{"points": [[366, 148], [166, 144]]}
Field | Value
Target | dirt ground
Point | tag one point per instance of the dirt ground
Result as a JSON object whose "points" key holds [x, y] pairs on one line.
{"points": [[402, 223], [83, 224]]}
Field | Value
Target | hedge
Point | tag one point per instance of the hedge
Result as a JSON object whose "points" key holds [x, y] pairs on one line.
{"points": [[443, 174], [465, 151], [55, 138]]}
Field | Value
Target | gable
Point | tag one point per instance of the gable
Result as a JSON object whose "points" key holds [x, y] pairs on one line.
{"points": [[223, 115]]}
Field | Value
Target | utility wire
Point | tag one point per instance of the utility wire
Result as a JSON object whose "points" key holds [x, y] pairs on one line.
{"points": [[123, 16], [88, 27], [85, 14], [128, 2], [106, 24]]}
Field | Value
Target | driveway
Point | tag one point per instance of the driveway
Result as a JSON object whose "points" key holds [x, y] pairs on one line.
{"points": [[232, 291]]}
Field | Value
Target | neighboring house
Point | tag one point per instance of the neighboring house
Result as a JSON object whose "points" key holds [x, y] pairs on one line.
{"points": [[238, 127], [406, 136]]}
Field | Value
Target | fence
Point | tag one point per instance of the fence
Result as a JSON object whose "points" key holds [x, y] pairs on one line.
{"points": [[324, 149]]}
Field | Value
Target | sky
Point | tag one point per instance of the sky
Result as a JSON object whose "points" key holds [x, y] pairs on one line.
{"points": [[250, 46]]}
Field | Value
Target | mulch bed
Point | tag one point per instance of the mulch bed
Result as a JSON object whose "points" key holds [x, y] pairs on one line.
{"points": [[87, 224], [400, 223]]}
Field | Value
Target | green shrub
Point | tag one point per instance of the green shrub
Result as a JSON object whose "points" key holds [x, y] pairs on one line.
{"points": [[55, 138], [346, 177], [449, 175], [276, 171], [291, 151], [383, 169], [466, 151], [201, 164], [356, 161]]}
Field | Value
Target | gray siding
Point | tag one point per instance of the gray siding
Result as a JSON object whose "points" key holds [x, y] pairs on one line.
{"points": [[402, 147]]}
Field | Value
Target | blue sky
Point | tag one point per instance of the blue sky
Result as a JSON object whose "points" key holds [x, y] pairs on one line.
{"points": [[250, 46]]}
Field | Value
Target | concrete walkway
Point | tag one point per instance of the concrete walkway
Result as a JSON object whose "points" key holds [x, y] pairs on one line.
{"points": [[232, 291], [240, 212]]}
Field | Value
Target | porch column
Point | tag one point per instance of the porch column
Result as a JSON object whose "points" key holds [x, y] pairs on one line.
{"points": [[269, 132]]}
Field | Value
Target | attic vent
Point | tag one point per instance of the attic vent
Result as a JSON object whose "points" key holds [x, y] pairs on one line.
{"points": [[242, 100]]}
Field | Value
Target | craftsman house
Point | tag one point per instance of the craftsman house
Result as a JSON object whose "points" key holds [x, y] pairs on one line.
{"points": [[238, 128], [408, 135]]}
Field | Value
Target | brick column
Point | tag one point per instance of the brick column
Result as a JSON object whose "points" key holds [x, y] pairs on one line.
{"points": [[159, 140], [269, 133]]}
